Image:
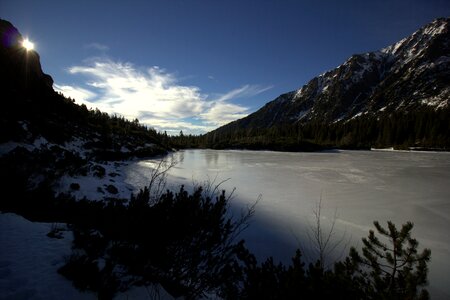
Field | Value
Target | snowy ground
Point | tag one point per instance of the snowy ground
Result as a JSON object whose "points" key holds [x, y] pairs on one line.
{"points": [[92, 187], [29, 261], [96, 187]]}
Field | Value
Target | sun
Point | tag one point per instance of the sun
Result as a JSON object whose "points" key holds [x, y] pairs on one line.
{"points": [[27, 44]]}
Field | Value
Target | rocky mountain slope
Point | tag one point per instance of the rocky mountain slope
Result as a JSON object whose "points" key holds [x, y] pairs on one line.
{"points": [[404, 77], [44, 136]]}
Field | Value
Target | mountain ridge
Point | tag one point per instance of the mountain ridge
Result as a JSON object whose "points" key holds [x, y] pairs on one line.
{"points": [[405, 77], [355, 70]]}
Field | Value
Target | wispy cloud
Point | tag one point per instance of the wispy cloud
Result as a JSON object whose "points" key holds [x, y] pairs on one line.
{"points": [[97, 46], [244, 91], [155, 96], [220, 111]]}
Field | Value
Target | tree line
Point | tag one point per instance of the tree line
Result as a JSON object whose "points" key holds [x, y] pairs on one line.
{"points": [[424, 128]]}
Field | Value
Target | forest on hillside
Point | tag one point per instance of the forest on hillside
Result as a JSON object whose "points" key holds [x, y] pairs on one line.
{"points": [[423, 129]]}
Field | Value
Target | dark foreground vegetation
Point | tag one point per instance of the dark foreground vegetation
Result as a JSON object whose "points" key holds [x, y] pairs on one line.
{"points": [[189, 244]]}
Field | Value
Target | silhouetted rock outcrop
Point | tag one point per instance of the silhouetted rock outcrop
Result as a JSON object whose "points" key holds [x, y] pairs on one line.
{"points": [[21, 68]]}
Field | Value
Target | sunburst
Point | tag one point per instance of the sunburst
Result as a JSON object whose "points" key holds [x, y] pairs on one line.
{"points": [[27, 44]]}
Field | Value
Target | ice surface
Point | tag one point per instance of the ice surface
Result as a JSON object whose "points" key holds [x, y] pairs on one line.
{"points": [[362, 186]]}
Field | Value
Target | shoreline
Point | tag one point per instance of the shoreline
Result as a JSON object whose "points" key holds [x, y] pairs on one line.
{"points": [[389, 149]]}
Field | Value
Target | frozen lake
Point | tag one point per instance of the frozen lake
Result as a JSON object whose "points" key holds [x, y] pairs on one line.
{"points": [[358, 187]]}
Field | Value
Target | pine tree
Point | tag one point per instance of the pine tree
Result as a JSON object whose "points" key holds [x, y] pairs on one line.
{"points": [[392, 269]]}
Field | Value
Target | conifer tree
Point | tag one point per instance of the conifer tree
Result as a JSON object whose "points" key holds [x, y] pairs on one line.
{"points": [[392, 269]]}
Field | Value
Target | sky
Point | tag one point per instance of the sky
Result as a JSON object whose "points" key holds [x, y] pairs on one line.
{"points": [[196, 65]]}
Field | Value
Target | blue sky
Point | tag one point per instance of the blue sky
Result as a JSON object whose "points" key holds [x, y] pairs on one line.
{"points": [[195, 65]]}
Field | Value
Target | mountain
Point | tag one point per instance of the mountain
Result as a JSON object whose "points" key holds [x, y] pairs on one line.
{"points": [[46, 137], [408, 77], [32, 110], [21, 69]]}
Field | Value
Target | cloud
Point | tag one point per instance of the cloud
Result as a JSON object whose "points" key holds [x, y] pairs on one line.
{"points": [[97, 46], [126, 90], [155, 96], [174, 126], [244, 91], [221, 113]]}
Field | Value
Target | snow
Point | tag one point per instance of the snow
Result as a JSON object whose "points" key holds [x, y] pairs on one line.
{"points": [[392, 49], [298, 94], [94, 188], [340, 118], [440, 100], [76, 145], [435, 101], [416, 42], [378, 55], [29, 261], [323, 83], [124, 149], [433, 30], [302, 114], [383, 149], [356, 115], [91, 187], [40, 142]]}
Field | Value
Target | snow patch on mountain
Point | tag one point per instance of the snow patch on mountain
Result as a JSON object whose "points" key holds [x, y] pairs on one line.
{"points": [[438, 101], [435, 28], [298, 94], [302, 114]]}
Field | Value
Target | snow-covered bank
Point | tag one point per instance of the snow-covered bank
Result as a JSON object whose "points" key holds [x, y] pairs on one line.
{"points": [[103, 180], [410, 150], [74, 168]]}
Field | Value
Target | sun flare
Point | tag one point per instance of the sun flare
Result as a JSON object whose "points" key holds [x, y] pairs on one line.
{"points": [[27, 44]]}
